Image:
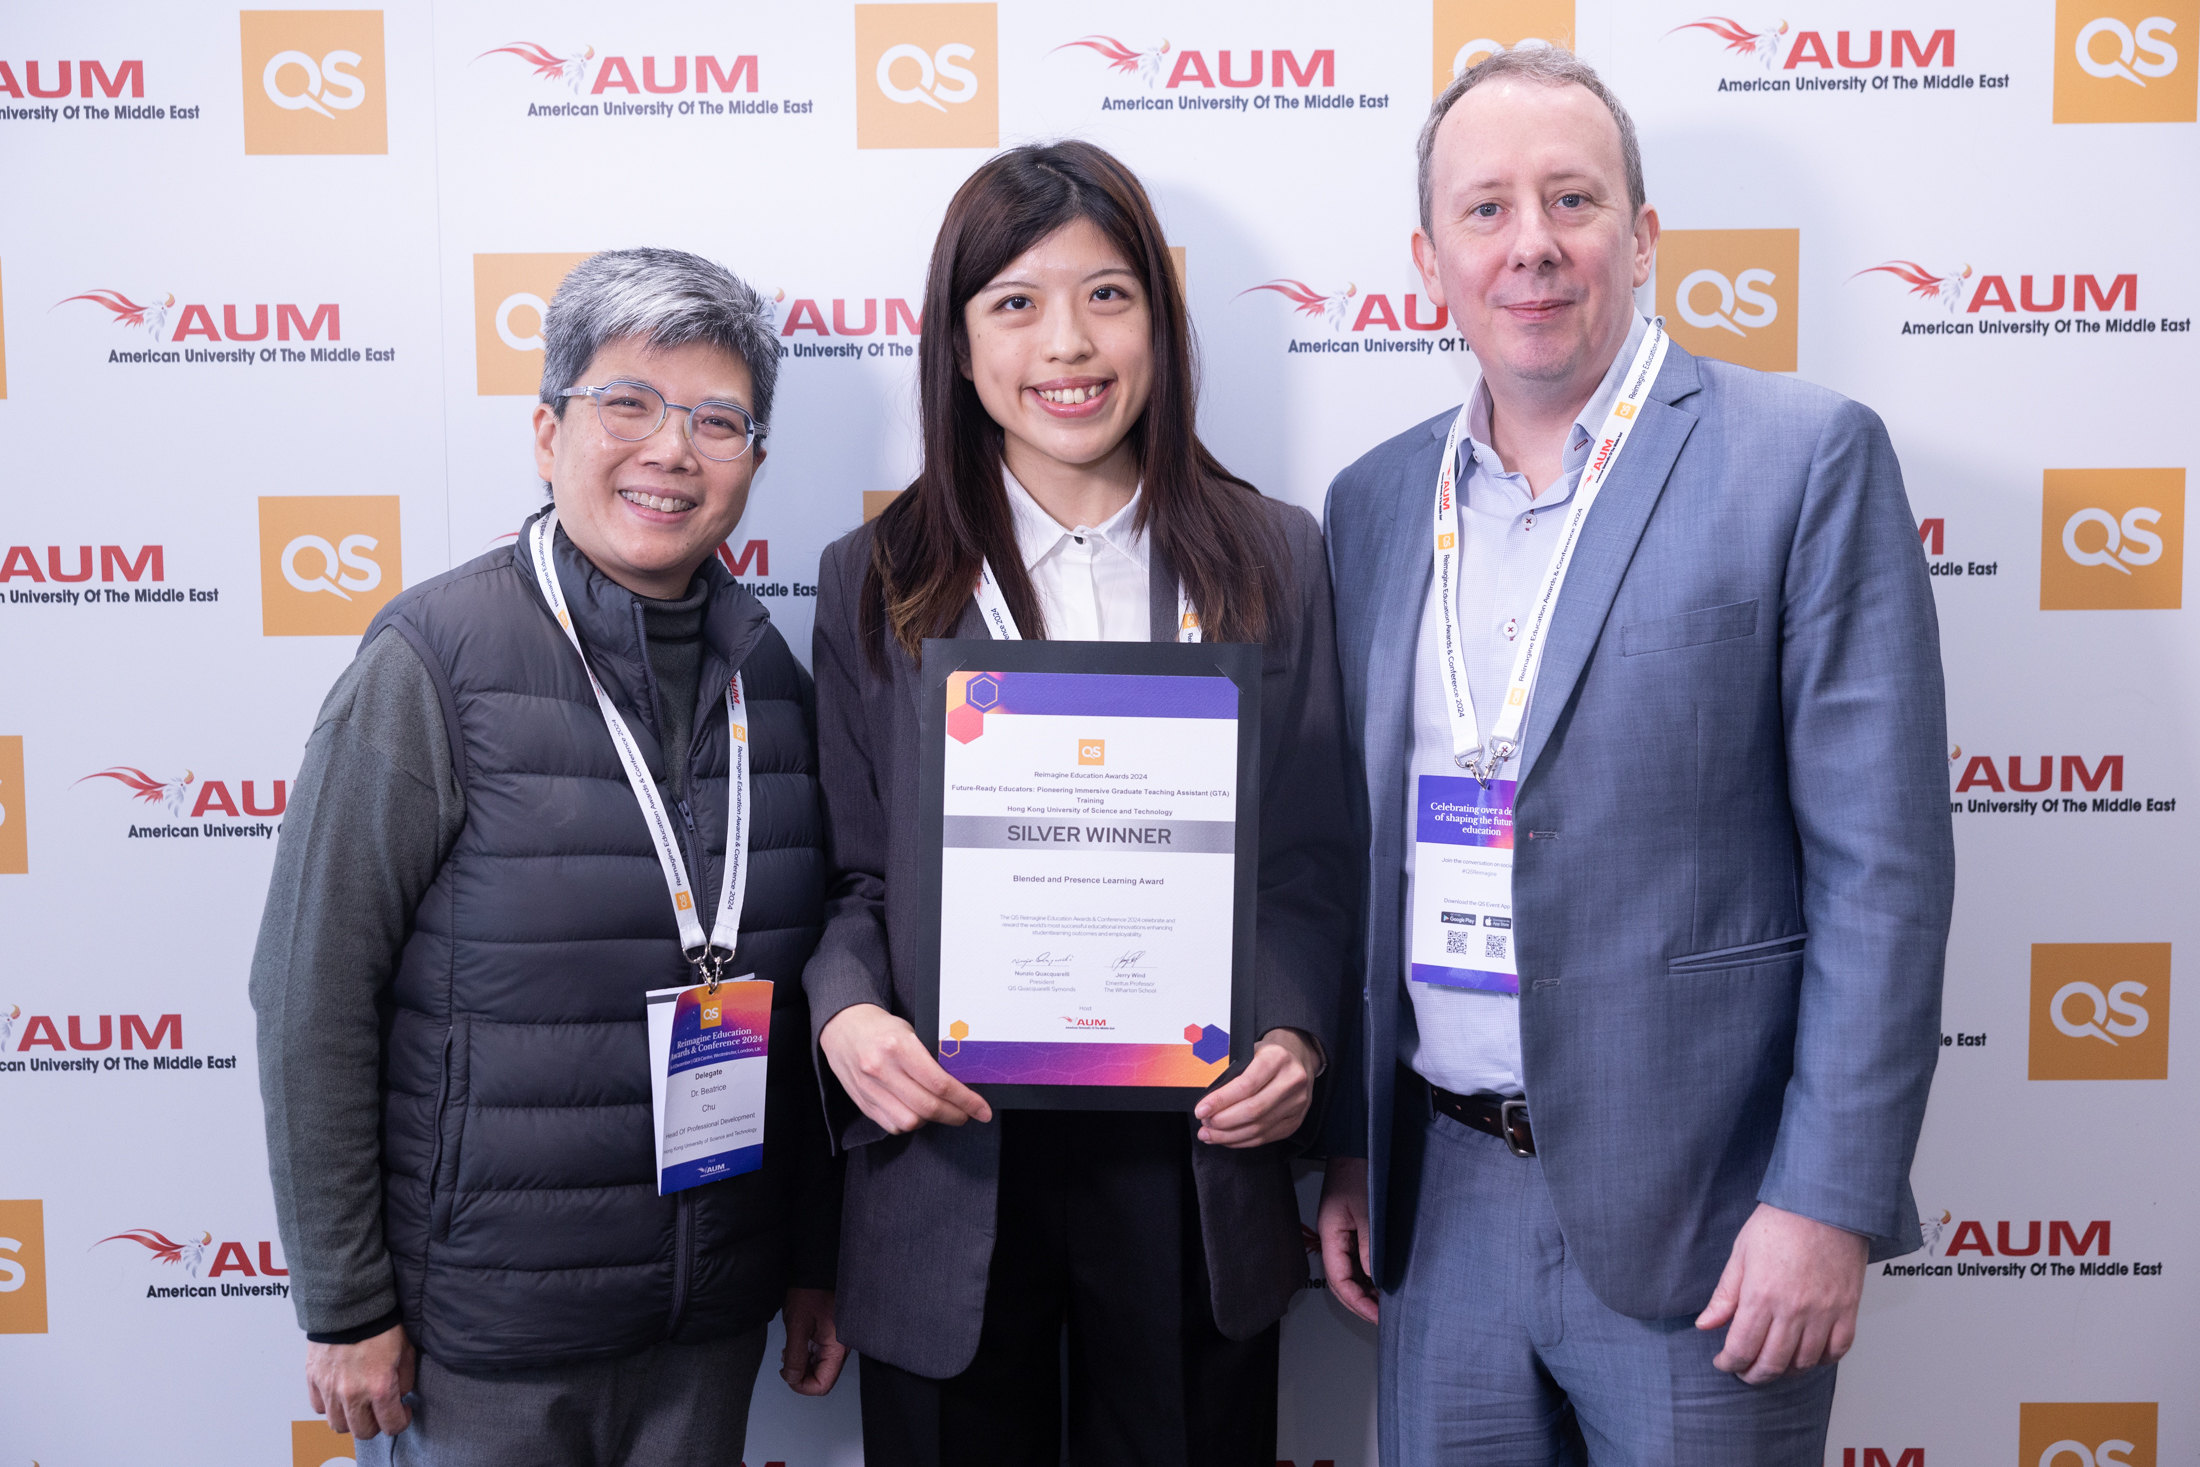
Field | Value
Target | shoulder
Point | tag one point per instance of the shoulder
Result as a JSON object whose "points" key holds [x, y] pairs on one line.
{"points": [[847, 558], [489, 573], [1360, 487], [1774, 413], [770, 669], [1299, 531]]}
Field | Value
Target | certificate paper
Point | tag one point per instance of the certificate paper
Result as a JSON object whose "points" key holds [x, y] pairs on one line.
{"points": [[1089, 878], [708, 1050]]}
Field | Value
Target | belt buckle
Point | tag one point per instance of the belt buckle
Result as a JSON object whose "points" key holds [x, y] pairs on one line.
{"points": [[1512, 1121]]}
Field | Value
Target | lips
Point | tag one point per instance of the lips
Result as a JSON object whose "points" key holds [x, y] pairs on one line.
{"points": [[1072, 397]]}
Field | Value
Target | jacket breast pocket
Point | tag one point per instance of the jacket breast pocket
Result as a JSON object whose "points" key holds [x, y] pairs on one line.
{"points": [[1689, 629]]}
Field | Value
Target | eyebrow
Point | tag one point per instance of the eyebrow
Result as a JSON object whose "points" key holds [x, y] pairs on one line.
{"points": [[1033, 285]]}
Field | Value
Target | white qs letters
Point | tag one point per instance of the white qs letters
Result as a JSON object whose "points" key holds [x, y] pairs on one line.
{"points": [[328, 84], [2131, 42], [357, 571], [1742, 290], [2128, 542], [933, 72]]}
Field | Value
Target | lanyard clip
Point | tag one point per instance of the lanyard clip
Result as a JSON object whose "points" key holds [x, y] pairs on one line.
{"points": [[710, 965]]}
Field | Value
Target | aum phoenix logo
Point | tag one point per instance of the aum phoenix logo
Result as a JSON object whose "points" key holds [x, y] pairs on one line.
{"points": [[548, 65], [1145, 65], [126, 312], [190, 1253], [1761, 45], [1943, 289], [148, 788], [1334, 308]]}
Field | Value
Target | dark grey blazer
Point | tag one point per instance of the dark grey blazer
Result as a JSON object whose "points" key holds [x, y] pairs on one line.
{"points": [[1736, 864], [917, 1233]]}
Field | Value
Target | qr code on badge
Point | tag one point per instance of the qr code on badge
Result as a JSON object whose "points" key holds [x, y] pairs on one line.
{"points": [[1456, 942], [1493, 944]]}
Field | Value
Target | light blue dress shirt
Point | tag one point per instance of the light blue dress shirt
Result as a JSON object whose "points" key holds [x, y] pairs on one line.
{"points": [[1468, 1039]]}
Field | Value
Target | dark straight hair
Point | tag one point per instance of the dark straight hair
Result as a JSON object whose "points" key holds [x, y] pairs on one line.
{"points": [[1202, 519]]}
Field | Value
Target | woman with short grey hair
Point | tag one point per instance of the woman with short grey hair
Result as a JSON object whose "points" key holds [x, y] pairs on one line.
{"points": [[573, 773]]}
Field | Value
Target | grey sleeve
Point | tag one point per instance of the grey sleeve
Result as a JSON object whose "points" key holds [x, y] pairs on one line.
{"points": [[374, 812]]}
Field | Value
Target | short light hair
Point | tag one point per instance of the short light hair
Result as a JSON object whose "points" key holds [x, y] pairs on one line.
{"points": [[1548, 66], [666, 297]]}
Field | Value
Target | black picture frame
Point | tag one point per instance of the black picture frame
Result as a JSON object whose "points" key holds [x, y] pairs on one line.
{"points": [[1237, 661]]}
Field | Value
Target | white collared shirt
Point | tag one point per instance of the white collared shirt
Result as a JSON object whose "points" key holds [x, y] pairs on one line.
{"points": [[1091, 579], [1467, 1040]]}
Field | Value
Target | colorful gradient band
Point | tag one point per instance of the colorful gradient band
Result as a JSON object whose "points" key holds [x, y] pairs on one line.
{"points": [[1009, 1062]]}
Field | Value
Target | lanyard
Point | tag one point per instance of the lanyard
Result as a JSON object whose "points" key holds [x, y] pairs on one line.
{"points": [[709, 954], [1000, 622], [1468, 750]]}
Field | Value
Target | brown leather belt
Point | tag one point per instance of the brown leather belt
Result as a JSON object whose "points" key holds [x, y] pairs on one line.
{"points": [[1493, 1115]]}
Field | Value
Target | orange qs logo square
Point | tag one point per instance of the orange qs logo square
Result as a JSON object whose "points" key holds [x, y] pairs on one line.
{"points": [[2118, 63], [1732, 293], [2100, 1011], [317, 1444], [2112, 540], [313, 81], [1468, 31], [2087, 1433], [23, 1268], [928, 76], [511, 296], [15, 844], [328, 563]]}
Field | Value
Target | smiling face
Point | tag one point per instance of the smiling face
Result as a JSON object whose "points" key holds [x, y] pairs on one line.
{"points": [[647, 513], [1061, 353], [1536, 249]]}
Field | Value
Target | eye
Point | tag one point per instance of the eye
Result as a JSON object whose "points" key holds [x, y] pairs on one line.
{"points": [[1013, 303], [1484, 211], [1572, 201], [1111, 293]]}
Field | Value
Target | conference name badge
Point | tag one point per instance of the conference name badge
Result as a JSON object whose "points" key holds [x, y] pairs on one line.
{"points": [[708, 1049], [1462, 884]]}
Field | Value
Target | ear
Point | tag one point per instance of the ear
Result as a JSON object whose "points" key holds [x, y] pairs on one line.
{"points": [[1424, 260], [546, 442], [1646, 245]]}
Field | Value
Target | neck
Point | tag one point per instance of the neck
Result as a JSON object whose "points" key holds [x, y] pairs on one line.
{"points": [[1530, 421], [1075, 494]]}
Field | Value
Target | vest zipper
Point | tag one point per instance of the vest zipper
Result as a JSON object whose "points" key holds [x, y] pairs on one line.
{"points": [[682, 1230]]}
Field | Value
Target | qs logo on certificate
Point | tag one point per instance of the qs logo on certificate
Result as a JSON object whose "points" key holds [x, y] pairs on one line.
{"points": [[2119, 62], [313, 81], [1731, 293], [1468, 31], [2086, 1433], [2100, 1011], [927, 76], [511, 296], [2112, 540], [327, 563], [23, 1268]]}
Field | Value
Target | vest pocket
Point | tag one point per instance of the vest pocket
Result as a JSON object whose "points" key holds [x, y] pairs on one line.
{"points": [[450, 1127]]}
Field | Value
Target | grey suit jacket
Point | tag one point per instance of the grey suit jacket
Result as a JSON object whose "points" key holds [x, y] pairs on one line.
{"points": [[1733, 864], [917, 1230]]}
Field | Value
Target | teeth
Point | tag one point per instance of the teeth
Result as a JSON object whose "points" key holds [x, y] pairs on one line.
{"points": [[1071, 396], [652, 501]]}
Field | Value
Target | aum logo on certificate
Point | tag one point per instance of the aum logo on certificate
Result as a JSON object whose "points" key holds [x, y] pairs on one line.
{"points": [[1088, 870], [1462, 884], [706, 1075]]}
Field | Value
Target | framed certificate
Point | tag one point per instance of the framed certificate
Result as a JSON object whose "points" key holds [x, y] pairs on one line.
{"points": [[1091, 810]]}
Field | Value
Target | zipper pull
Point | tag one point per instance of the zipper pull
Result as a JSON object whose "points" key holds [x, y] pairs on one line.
{"points": [[687, 817]]}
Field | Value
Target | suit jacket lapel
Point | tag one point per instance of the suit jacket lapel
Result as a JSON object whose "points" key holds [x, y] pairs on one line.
{"points": [[1160, 593], [1608, 541], [1402, 578]]}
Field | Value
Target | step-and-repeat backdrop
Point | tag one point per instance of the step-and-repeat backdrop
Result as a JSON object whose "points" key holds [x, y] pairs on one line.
{"points": [[271, 287]]}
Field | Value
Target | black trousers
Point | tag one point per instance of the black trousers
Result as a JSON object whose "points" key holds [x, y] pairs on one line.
{"points": [[1098, 1230]]}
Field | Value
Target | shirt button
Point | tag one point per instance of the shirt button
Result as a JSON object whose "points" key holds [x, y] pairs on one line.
{"points": [[1512, 627], [1528, 522]]}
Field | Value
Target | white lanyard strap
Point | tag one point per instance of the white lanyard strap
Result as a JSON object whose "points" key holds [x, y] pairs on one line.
{"points": [[1469, 751], [708, 953], [1000, 622]]}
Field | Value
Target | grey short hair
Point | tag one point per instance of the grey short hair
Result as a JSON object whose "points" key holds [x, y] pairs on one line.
{"points": [[1549, 66], [669, 298]]}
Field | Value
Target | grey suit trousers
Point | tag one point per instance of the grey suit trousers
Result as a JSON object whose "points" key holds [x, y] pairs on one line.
{"points": [[1496, 1352], [667, 1406]]}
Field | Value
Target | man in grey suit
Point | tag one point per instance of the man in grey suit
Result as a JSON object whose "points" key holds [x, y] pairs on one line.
{"points": [[1643, 1056]]}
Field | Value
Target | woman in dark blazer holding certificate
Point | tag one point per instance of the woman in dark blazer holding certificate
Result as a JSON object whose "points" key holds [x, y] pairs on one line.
{"points": [[1058, 400]]}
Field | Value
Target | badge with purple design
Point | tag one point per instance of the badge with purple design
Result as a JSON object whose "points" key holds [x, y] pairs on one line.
{"points": [[1462, 884]]}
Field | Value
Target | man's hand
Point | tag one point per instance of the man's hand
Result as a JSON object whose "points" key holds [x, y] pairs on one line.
{"points": [[814, 1354], [1268, 1101], [888, 1072], [1342, 1223], [360, 1388], [1788, 1297]]}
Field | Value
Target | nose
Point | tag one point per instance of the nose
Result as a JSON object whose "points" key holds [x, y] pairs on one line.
{"points": [[1068, 340], [1534, 244], [670, 447]]}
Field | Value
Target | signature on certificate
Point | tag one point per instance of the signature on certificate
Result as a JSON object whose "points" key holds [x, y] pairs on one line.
{"points": [[1045, 959], [1129, 960]]}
